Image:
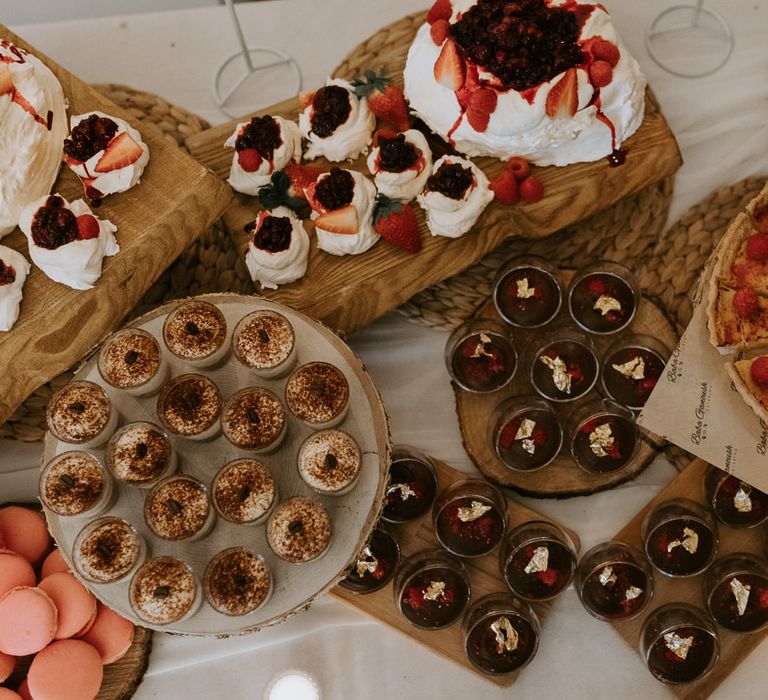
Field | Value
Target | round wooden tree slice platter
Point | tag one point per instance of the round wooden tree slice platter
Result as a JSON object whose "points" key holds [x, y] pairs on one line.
{"points": [[562, 478], [353, 515]]}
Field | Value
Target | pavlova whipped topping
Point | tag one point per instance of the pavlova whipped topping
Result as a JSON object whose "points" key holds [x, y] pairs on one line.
{"points": [[103, 173], [518, 127], [410, 182], [289, 150], [33, 125], [285, 266], [454, 217], [77, 263], [14, 269], [349, 139], [364, 200]]}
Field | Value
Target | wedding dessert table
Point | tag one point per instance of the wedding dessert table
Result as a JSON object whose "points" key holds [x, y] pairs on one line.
{"points": [[721, 125]]}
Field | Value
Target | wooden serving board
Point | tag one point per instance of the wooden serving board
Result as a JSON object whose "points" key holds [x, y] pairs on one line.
{"points": [[734, 648], [484, 575], [349, 292], [562, 478], [175, 202]]}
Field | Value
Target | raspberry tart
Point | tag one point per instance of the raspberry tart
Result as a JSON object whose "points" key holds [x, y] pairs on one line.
{"points": [[14, 269], [66, 241], [343, 202], [400, 163], [278, 248], [457, 192], [549, 80], [106, 153], [262, 146], [337, 123]]}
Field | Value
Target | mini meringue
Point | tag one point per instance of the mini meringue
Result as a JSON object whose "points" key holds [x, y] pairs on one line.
{"points": [[408, 183], [14, 269]]}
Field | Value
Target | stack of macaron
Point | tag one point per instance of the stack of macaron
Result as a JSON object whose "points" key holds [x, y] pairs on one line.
{"points": [[49, 622]]}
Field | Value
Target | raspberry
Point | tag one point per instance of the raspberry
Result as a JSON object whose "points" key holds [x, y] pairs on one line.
{"points": [[757, 247], [87, 227], [414, 598], [439, 31], [600, 74], [745, 302], [531, 189], [548, 577], [606, 51], [519, 166], [762, 598], [539, 437], [508, 433], [249, 160], [759, 372], [648, 384], [589, 426], [596, 286]]}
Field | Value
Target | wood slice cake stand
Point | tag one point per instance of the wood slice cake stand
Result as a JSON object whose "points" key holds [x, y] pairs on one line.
{"points": [[562, 478], [353, 515]]}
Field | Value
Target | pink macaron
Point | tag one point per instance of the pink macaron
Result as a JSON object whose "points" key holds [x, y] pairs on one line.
{"points": [[7, 664], [28, 621], [69, 669], [15, 571], [54, 563], [25, 532], [75, 603], [111, 634], [8, 694]]}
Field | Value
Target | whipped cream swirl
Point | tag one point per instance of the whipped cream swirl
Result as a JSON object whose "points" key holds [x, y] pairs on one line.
{"points": [[10, 294], [286, 266], [408, 183]]}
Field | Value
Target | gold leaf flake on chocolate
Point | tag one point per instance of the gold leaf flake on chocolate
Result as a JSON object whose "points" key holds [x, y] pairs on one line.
{"points": [[606, 304], [507, 638], [689, 543], [435, 590], [475, 510], [366, 562], [539, 561], [524, 290], [560, 375], [633, 592], [742, 500], [529, 446], [634, 369], [600, 439], [524, 433], [607, 576], [405, 490], [679, 646], [480, 350], [741, 593]]}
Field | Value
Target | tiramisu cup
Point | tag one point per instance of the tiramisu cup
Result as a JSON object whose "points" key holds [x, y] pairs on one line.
{"points": [[265, 343], [190, 406], [75, 483], [107, 550], [317, 393], [165, 590], [140, 454], [237, 582], [80, 413], [132, 361], [299, 530], [178, 508], [253, 419], [196, 332], [244, 492], [329, 462]]}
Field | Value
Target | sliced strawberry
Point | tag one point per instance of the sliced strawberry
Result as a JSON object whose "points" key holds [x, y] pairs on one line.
{"points": [[121, 152], [563, 97], [249, 159], [309, 195], [482, 104], [504, 186], [396, 223], [305, 99], [439, 31], [344, 220], [606, 51], [87, 227], [6, 82], [301, 177], [531, 189], [450, 70], [519, 166], [442, 9], [600, 74]]}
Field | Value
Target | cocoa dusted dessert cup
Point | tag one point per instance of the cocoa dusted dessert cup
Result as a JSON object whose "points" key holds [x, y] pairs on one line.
{"points": [[75, 483], [178, 508], [734, 502], [107, 550], [299, 530], [140, 454], [196, 332], [330, 462], [165, 590], [81, 413], [317, 393], [131, 360], [253, 419], [190, 406], [374, 566], [412, 485], [237, 582], [265, 343], [244, 492]]}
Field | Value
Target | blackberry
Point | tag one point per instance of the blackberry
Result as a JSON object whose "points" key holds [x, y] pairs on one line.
{"points": [[335, 190], [451, 179], [274, 235], [330, 109], [397, 154]]}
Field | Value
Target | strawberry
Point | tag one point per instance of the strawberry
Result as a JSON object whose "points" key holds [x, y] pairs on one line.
{"points": [[343, 221], [745, 302], [439, 31], [396, 223], [531, 189], [482, 104], [121, 152], [450, 70], [6, 82], [757, 247], [382, 133], [385, 99], [504, 186], [563, 97], [279, 193], [604, 50], [519, 166], [306, 98], [600, 74], [301, 177], [249, 159], [759, 372], [87, 227], [442, 9]]}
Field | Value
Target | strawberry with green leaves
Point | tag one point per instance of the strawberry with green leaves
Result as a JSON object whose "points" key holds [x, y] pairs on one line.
{"points": [[385, 99], [395, 221]]}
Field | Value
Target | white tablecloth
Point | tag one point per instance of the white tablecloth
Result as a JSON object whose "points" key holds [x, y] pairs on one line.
{"points": [[722, 126]]}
